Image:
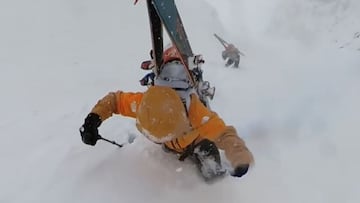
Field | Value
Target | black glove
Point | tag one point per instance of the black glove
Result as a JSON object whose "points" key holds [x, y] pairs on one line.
{"points": [[240, 170], [89, 130]]}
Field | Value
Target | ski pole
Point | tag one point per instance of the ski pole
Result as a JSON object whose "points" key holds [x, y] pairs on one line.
{"points": [[110, 141]]}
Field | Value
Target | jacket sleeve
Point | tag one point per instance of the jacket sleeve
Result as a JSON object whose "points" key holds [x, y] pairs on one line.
{"points": [[234, 147], [123, 103], [210, 126]]}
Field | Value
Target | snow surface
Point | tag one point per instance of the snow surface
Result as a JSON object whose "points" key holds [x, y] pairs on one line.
{"points": [[295, 101]]}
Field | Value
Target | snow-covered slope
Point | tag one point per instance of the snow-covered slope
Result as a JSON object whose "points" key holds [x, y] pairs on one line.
{"points": [[295, 101]]}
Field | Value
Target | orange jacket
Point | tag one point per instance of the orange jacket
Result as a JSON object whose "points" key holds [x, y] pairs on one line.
{"points": [[204, 123]]}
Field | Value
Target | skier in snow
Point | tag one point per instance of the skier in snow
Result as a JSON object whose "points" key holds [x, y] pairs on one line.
{"points": [[170, 113], [232, 55]]}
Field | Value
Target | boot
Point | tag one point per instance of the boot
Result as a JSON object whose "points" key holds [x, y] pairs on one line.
{"points": [[229, 63], [207, 157]]}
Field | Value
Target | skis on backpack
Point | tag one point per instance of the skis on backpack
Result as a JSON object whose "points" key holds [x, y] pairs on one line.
{"points": [[170, 18], [172, 22], [156, 28], [164, 14], [222, 41]]}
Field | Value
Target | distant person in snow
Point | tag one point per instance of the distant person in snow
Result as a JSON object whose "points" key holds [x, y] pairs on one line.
{"points": [[231, 55], [170, 113]]}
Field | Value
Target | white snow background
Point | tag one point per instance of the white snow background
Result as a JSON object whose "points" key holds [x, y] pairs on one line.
{"points": [[294, 100]]}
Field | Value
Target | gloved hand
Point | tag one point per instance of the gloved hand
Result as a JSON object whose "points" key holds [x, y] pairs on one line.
{"points": [[240, 170], [89, 130]]}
